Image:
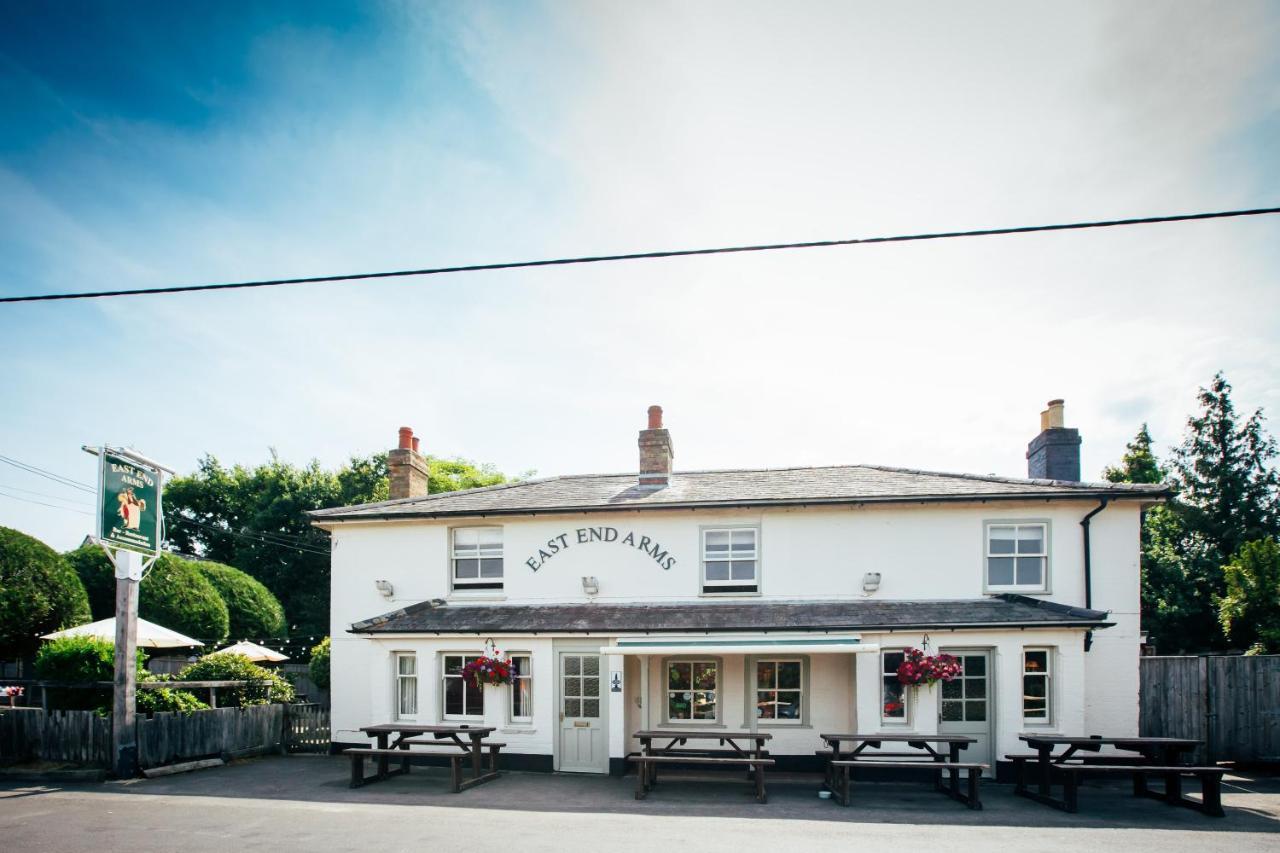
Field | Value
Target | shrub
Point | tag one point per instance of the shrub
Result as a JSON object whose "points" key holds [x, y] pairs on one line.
{"points": [[78, 659], [167, 699], [252, 610], [174, 594], [39, 593], [222, 666], [320, 664]]}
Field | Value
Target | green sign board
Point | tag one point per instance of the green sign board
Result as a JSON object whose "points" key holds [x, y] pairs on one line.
{"points": [[130, 504]]}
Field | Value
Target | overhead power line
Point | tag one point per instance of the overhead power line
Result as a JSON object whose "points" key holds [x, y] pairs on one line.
{"points": [[42, 503], [49, 475], [641, 256]]}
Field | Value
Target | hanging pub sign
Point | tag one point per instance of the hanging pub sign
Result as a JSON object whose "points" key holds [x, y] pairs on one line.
{"points": [[129, 503]]}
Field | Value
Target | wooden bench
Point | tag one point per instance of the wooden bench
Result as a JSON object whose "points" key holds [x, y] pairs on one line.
{"points": [[840, 777], [1210, 783], [456, 783], [647, 772]]}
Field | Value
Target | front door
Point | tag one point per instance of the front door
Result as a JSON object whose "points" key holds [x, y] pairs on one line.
{"points": [[583, 743], [967, 705]]}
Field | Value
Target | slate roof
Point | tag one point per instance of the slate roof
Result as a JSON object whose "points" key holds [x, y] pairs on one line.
{"points": [[1001, 611], [843, 484]]}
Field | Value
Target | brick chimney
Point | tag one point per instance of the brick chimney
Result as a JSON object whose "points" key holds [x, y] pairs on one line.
{"points": [[407, 468], [656, 452], [1054, 454]]}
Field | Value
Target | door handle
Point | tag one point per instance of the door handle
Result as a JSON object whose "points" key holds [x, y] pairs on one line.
{"points": [[562, 716]]}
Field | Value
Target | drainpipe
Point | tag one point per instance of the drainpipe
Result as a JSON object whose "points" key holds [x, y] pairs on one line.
{"points": [[1088, 567]]}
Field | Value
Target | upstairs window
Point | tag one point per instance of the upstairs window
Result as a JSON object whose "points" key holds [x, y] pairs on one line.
{"points": [[1017, 557], [477, 558], [730, 560]]}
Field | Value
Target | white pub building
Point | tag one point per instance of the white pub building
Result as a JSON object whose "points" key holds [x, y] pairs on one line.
{"points": [[778, 599]]}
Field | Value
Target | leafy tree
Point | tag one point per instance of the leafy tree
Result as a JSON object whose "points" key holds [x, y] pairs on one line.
{"points": [[223, 666], [83, 659], [39, 594], [251, 608], [1139, 463], [174, 593], [319, 665], [255, 519], [1250, 610]]}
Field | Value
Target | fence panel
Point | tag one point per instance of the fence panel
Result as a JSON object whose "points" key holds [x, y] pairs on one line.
{"points": [[308, 728], [166, 738], [1245, 708], [81, 737], [1173, 699]]}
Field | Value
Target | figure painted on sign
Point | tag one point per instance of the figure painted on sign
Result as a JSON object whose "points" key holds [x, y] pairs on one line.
{"points": [[131, 507]]}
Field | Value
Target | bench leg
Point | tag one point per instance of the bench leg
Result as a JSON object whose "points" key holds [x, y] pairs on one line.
{"points": [[493, 759], [1139, 783], [844, 786], [642, 774], [455, 773], [761, 796], [1019, 777], [357, 771], [1070, 792], [1211, 791], [974, 776]]}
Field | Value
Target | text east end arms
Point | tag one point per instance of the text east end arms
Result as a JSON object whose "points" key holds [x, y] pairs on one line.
{"points": [[587, 535]]}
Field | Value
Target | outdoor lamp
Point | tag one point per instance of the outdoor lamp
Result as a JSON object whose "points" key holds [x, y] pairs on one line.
{"points": [[385, 588], [590, 585], [870, 582]]}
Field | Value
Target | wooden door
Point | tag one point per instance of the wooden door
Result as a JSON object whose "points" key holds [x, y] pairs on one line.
{"points": [[583, 742], [968, 705]]}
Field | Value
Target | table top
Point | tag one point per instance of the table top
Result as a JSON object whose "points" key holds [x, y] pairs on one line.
{"points": [[707, 734], [900, 738], [1126, 743], [425, 728]]}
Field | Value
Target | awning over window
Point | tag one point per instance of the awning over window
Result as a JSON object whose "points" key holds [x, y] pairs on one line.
{"points": [[748, 645]]}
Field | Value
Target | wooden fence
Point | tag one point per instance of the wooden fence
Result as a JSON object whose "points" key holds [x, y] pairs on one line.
{"points": [[84, 737], [1230, 703]]}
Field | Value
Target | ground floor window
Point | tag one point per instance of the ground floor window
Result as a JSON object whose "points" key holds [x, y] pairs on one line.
{"points": [[521, 688], [893, 693], [406, 685], [779, 690], [692, 687], [1036, 675], [461, 698]]}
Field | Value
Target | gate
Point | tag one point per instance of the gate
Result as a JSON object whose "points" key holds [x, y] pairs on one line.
{"points": [[307, 728]]}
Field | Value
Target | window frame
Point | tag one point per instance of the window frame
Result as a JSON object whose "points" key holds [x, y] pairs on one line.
{"points": [[666, 691], [513, 689], [444, 691], [1044, 587], [397, 677], [478, 585], [751, 693], [905, 719], [729, 587], [1049, 678]]}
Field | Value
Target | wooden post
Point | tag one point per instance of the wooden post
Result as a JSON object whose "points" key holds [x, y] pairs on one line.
{"points": [[124, 740]]}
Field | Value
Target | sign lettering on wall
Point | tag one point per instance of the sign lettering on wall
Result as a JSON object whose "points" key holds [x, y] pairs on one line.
{"points": [[589, 535]]}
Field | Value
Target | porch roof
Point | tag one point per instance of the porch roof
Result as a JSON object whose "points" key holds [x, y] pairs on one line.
{"points": [[1000, 611]]}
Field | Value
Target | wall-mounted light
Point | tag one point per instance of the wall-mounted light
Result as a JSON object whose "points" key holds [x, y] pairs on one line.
{"points": [[870, 582], [385, 588], [590, 585]]}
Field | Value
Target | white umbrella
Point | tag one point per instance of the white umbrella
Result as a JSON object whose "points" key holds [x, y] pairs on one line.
{"points": [[150, 635], [253, 652]]}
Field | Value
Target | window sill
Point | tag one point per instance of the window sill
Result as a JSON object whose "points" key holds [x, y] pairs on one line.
{"points": [[478, 595], [1016, 590], [760, 724], [693, 724], [755, 594], [518, 729]]}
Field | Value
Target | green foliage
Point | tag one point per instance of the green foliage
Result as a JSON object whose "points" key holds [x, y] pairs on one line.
{"points": [[39, 594], [1250, 610], [1139, 463], [222, 666], [320, 664], [255, 519], [78, 660], [175, 594], [252, 610], [1228, 494], [168, 699]]}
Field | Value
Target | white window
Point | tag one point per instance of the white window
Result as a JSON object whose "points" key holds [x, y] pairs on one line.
{"points": [[462, 699], [730, 560], [692, 690], [406, 686], [1018, 556], [1037, 695], [521, 689], [477, 558], [779, 690], [893, 693]]}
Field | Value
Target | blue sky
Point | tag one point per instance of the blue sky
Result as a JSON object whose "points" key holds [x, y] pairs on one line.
{"points": [[157, 143]]}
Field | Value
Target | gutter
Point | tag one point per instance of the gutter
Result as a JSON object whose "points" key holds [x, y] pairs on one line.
{"points": [[1088, 565]]}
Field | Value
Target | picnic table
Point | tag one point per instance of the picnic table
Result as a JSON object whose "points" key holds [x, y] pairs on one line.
{"points": [[750, 753], [1161, 756], [944, 760], [395, 740]]}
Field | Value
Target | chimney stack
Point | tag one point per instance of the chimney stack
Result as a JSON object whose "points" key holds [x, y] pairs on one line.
{"points": [[656, 452], [1054, 454], [407, 468]]}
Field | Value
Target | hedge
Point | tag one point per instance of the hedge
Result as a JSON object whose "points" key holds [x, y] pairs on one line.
{"points": [[253, 611], [39, 593], [81, 659], [175, 594], [320, 664], [223, 666]]}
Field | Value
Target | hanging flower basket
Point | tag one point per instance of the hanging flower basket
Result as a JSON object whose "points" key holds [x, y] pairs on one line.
{"points": [[487, 669], [920, 668]]}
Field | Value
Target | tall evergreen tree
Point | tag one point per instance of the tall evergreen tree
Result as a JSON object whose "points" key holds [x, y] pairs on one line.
{"points": [[1139, 463]]}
